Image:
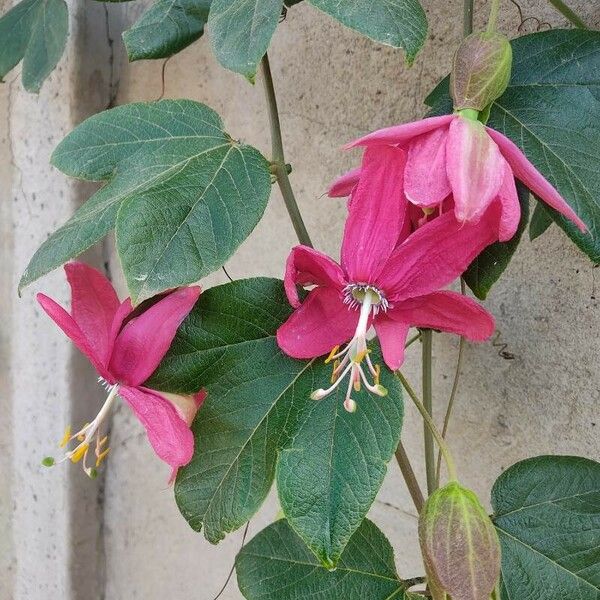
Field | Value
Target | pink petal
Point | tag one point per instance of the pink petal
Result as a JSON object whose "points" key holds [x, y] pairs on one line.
{"points": [[392, 338], [511, 207], [425, 179], [322, 322], [145, 339], [475, 168], [446, 311], [376, 215], [94, 304], [168, 433], [306, 266], [344, 185], [436, 254], [66, 322], [400, 134], [186, 406], [533, 179]]}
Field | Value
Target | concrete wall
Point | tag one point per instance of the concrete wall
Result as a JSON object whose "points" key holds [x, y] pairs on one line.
{"points": [[121, 537]]}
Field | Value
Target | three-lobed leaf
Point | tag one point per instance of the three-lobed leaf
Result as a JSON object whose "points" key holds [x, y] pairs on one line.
{"points": [[397, 23], [259, 423], [166, 28], [276, 565], [180, 192], [551, 110], [34, 31], [547, 514]]}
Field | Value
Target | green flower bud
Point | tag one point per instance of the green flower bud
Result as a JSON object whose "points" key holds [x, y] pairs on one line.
{"points": [[481, 70], [460, 545]]}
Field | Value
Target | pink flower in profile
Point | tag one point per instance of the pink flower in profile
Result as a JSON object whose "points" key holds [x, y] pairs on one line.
{"points": [[383, 280], [458, 156], [125, 348]]}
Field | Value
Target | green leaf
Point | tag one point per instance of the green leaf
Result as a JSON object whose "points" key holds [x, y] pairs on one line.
{"points": [[34, 31], [547, 513], [540, 221], [397, 23], [181, 193], [487, 268], [276, 565], [166, 28], [259, 422], [551, 110], [241, 31]]}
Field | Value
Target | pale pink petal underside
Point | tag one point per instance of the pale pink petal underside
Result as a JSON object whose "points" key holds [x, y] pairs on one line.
{"points": [[376, 215], [322, 322], [145, 339], [533, 179], [401, 134], [425, 180], [475, 168]]}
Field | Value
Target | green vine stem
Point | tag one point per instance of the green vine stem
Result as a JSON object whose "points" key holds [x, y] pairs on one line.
{"points": [[431, 426], [278, 156], [493, 20], [459, 361], [566, 12], [409, 477], [468, 18], [427, 357]]}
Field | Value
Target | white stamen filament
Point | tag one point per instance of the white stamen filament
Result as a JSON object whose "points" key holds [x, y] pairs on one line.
{"points": [[370, 301]]}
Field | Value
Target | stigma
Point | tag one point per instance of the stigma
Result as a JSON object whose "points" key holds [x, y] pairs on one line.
{"points": [[89, 438], [353, 361]]}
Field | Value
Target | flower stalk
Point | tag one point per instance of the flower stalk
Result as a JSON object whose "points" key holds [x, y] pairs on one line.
{"points": [[427, 357], [569, 14], [278, 157]]}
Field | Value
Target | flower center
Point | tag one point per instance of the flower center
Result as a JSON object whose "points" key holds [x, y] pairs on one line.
{"points": [[348, 362], [89, 434]]}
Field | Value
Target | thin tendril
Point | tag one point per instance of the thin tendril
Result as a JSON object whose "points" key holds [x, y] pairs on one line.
{"points": [[162, 78], [233, 566]]}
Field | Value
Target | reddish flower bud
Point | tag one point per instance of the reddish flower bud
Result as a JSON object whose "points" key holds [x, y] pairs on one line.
{"points": [[460, 545], [481, 70]]}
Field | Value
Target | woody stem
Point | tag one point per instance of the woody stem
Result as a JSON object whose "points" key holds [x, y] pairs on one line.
{"points": [[409, 477], [278, 156], [468, 17]]}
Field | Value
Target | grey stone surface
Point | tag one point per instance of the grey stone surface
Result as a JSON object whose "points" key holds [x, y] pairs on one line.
{"points": [[333, 85]]}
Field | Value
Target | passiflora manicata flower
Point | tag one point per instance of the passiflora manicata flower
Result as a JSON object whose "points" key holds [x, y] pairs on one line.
{"points": [[460, 545], [385, 279], [125, 347], [456, 155]]}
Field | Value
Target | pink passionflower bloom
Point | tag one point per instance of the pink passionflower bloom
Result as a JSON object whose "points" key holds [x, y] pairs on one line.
{"points": [[125, 348], [457, 156], [383, 280]]}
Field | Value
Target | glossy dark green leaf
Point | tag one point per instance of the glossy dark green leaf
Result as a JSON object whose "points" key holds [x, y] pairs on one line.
{"points": [[547, 513], [541, 219], [487, 268], [180, 191], [259, 422], [397, 23], [34, 31], [241, 30], [166, 28], [276, 565], [551, 110]]}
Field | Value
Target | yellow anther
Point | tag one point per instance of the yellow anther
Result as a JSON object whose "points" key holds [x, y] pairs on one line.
{"points": [[377, 374], [360, 356], [333, 352], [66, 438], [79, 453], [336, 365], [102, 442], [101, 457], [357, 385]]}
